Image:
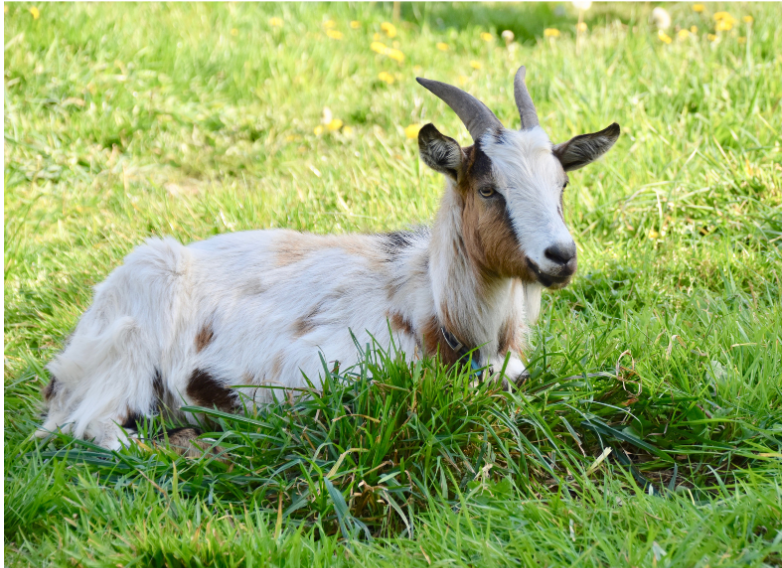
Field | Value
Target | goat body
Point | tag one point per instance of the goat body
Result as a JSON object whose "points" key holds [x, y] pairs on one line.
{"points": [[178, 325]]}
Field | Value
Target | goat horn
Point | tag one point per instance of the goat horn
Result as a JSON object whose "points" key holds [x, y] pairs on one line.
{"points": [[529, 117], [475, 115]]}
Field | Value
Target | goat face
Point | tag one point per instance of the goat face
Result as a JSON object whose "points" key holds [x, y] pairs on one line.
{"points": [[511, 185]]}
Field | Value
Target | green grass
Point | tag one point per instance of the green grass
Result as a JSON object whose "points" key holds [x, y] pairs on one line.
{"points": [[125, 121]]}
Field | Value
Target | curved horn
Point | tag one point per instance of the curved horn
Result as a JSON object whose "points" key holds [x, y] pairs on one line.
{"points": [[529, 117], [475, 115]]}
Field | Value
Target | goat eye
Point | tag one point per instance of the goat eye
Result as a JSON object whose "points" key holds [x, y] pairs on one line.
{"points": [[564, 186], [486, 191]]}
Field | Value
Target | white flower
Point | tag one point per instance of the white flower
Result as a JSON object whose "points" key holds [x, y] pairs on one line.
{"points": [[661, 18], [582, 5]]}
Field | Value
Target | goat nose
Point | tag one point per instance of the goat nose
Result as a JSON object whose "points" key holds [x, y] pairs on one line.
{"points": [[561, 254]]}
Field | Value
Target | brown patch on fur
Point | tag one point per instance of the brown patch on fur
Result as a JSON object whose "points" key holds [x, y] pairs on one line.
{"points": [[489, 237], [295, 247], [392, 289], [185, 442], [205, 391], [302, 326], [204, 337], [509, 339], [277, 366], [306, 323], [291, 247], [505, 337], [252, 287], [399, 323], [50, 389]]}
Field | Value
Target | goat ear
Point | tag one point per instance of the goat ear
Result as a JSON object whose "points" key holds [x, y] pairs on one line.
{"points": [[441, 153], [586, 148]]}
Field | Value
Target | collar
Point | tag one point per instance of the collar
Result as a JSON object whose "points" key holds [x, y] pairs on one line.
{"points": [[474, 355]]}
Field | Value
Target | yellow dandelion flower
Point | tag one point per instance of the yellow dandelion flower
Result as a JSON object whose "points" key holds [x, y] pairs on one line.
{"points": [[711, 37], [698, 8], [318, 130], [442, 46], [683, 34], [723, 16], [664, 37], [389, 28], [334, 125], [386, 77], [551, 32], [723, 26], [5, 9], [35, 12], [334, 34], [485, 36], [355, 24], [329, 24], [581, 27], [347, 131], [693, 29], [411, 130], [396, 55], [275, 22], [653, 234], [748, 19], [378, 47], [234, 32], [475, 64], [462, 79], [391, 52], [742, 40]]}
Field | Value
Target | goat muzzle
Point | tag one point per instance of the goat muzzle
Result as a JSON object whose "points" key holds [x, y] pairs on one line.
{"points": [[557, 278]]}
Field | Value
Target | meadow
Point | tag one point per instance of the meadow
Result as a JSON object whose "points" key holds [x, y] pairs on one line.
{"points": [[650, 430]]}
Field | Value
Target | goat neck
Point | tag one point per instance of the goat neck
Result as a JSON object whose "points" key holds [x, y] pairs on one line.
{"points": [[470, 302]]}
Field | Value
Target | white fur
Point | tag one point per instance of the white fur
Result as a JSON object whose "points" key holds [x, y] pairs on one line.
{"points": [[273, 300], [146, 314]]}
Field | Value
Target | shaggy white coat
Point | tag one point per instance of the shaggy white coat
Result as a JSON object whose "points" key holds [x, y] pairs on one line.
{"points": [[269, 301]]}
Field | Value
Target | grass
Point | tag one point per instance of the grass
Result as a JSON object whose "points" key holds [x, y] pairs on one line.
{"points": [[666, 349]]}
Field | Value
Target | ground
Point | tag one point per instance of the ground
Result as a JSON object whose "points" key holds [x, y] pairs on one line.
{"points": [[663, 357]]}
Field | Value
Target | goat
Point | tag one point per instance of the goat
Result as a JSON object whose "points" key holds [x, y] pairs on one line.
{"points": [[178, 324]]}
